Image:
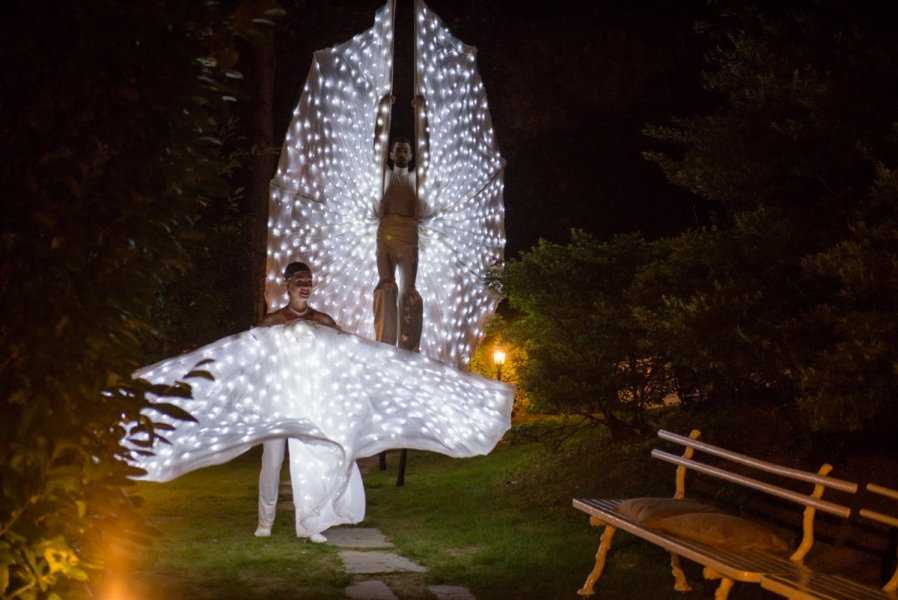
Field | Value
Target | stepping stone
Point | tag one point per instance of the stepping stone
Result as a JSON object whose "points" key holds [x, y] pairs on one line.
{"points": [[370, 590], [357, 537], [377, 562], [451, 592]]}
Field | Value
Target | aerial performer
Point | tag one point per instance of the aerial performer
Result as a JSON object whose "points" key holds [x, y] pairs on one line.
{"points": [[337, 394], [398, 311]]}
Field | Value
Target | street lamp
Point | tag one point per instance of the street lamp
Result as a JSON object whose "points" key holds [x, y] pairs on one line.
{"points": [[499, 359]]}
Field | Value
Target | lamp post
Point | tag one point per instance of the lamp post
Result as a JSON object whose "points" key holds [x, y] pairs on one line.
{"points": [[499, 359]]}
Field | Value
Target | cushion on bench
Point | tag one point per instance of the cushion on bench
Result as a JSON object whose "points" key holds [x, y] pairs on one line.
{"points": [[726, 531], [649, 512], [701, 523]]}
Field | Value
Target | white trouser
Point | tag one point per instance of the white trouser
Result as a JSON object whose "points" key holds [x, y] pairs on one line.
{"points": [[270, 480], [308, 463]]}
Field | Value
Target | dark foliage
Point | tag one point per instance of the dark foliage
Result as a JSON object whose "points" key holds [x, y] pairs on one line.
{"points": [[114, 117], [790, 294], [578, 345], [786, 295]]}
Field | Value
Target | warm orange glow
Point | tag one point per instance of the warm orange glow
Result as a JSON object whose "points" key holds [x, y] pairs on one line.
{"points": [[117, 589], [499, 357], [116, 583]]}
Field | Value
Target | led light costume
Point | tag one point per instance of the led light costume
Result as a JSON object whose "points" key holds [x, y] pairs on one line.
{"points": [[325, 195], [339, 396]]}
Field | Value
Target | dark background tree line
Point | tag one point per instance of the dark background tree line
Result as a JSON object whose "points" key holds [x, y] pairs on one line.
{"points": [[138, 143], [786, 294]]}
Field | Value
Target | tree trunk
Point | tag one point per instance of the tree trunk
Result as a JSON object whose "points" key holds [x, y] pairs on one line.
{"points": [[263, 163]]}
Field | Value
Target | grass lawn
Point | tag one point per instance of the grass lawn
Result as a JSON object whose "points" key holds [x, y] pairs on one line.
{"points": [[486, 523], [206, 548]]}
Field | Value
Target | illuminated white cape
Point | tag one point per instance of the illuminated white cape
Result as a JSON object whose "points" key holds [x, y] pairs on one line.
{"points": [[338, 396]]}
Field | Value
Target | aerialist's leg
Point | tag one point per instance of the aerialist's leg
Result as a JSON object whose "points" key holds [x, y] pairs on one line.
{"points": [[269, 482], [386, 326], [411, 307]]}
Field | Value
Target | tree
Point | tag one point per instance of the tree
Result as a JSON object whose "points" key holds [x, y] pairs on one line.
{"points": [[580, 346], [114, 118], [793, 163], [850, 381]]}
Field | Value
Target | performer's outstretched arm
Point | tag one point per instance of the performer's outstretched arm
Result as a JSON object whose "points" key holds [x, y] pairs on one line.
{"points": [[382, 132], [422, 135]]}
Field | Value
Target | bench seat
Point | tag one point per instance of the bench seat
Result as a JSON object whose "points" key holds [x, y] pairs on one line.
{"points": [[821, 586], [739, 565]]}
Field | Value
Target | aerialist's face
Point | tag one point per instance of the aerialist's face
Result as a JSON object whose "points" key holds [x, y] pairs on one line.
{"points": [[401, 154], [299, 287]]}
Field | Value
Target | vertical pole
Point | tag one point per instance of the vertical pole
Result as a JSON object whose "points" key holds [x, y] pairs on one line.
{"points": [[382, 457], [400, 477], [415, 90], [410, 10]]}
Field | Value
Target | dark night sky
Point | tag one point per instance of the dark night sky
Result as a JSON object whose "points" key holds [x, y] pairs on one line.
{"points": [[571, 84]]}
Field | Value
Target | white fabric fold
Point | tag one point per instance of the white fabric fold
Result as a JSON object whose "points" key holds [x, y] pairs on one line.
{"points": [[338, 397]]}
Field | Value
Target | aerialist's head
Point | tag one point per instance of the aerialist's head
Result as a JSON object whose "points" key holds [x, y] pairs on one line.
{"points": [[401, 153]]}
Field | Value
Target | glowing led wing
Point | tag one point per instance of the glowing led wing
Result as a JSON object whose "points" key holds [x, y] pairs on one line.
{"points": [[463, 233], [324, 198], [322, 207]]}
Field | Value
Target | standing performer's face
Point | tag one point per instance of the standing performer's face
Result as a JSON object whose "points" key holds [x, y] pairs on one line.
{"points": [[401, 154], [299, 286]]}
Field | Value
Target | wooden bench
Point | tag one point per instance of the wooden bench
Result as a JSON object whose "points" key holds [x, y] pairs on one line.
{"points": [[783, 575], [821, 586]]}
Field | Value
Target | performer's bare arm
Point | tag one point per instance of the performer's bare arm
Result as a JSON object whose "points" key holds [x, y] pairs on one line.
{"points": [[279, 317], [382, 129], [423, 134], [324, 319], [275, 318]]}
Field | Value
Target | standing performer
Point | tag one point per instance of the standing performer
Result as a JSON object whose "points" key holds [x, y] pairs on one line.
{"points": [[298, 278]]}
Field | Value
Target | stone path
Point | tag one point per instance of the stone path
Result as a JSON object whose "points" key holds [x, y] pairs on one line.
{"points": [[366, 552]]}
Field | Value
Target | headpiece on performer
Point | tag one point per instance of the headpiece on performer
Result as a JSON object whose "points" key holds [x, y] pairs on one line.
{"points": [[296, 267]]}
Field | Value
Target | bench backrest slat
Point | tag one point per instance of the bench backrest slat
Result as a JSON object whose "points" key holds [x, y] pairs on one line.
{"points": [[882, 490], [878, 516], [891, 585], [830, 482], [773, 490]]}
